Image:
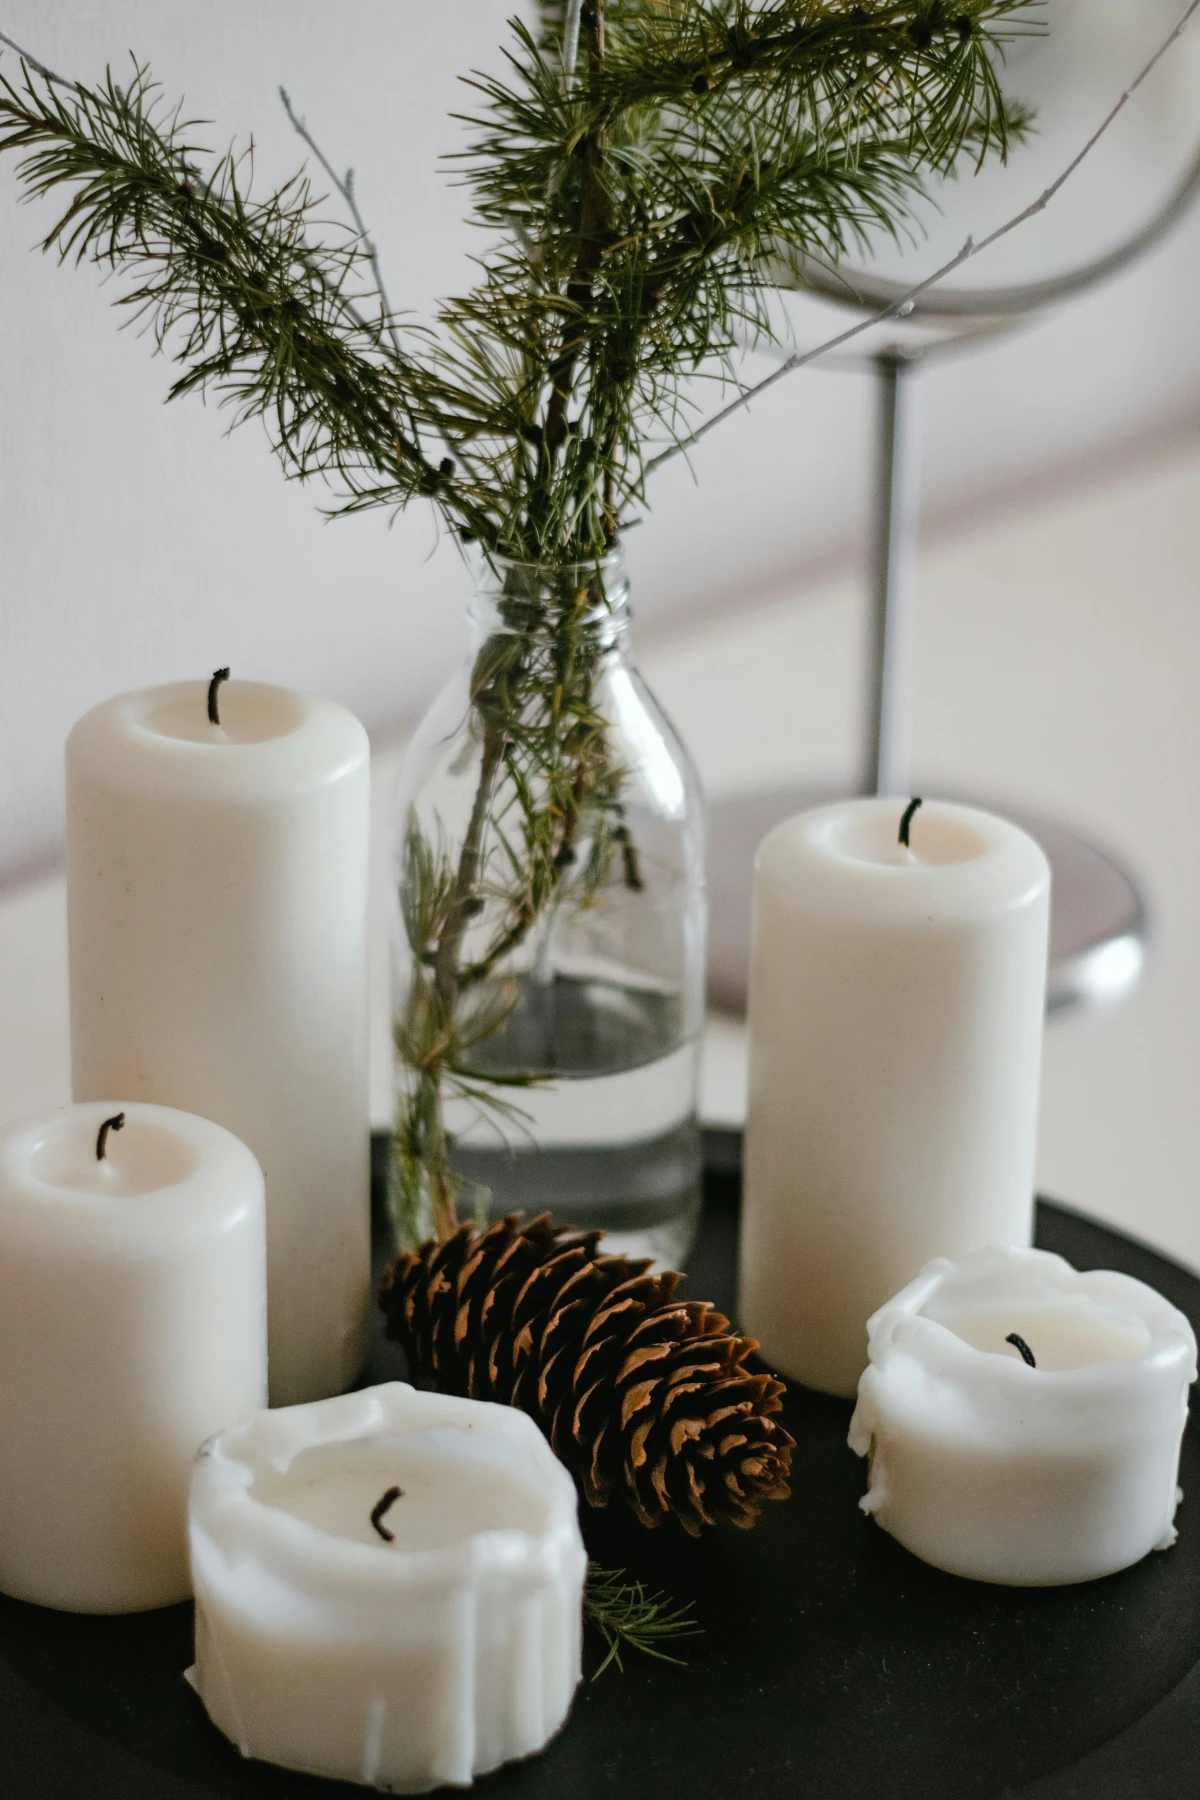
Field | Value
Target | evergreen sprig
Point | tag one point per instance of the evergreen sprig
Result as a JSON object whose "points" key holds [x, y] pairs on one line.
{"points": [[246, 299], [630, 208], [629, 1616], [637, 205]]}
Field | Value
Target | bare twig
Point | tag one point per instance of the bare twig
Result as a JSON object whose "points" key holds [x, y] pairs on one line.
{"points": [[1043, 200], [903, 304], [38, 67], [345, 187]]}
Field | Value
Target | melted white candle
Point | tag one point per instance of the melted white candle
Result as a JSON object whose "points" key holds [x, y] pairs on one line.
{"points": [[132, 1326], [1029, 1476], [895, 1016], [217, 885], [431, 1658]]}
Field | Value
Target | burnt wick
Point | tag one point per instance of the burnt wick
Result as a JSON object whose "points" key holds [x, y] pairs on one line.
{"points": [[116, 1123], [1019, 1343], [387, 1501], [219, 675], [907, 819]]}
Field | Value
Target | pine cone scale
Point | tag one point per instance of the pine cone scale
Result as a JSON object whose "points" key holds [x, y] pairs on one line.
{"points": [[636, 1399], [597, 1488], [682, 1430], [637, 1444]]}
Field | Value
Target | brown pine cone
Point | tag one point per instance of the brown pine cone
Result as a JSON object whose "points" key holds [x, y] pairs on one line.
{"points": [[641, 1395]]}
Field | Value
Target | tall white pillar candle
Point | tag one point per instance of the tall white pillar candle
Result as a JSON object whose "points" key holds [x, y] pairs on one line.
{"points": [[388, 1587], [895, 1015], [133, 1324], [217, 892], [1028, 1473]]}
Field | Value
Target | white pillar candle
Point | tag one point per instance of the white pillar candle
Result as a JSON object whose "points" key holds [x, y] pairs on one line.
{"points": [[132, 1326], [388, 1587], [217, 883], [1026, 1475], [895, 1016]]}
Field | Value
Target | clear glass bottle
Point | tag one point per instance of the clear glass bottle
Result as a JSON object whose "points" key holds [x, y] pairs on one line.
{"points": [[549, 943]]}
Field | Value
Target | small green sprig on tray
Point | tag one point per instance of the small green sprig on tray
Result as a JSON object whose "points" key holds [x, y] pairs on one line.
{"points": [[629, 1616]]}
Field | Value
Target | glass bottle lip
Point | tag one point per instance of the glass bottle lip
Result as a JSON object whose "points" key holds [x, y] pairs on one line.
{"points": [[611, 563]]}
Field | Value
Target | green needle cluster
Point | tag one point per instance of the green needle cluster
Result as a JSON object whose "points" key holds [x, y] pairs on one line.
{"points": [[629, 1616], [631, 207]]}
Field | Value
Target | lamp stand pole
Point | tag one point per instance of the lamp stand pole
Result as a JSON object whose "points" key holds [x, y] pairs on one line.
{"points": [[893, 577]]}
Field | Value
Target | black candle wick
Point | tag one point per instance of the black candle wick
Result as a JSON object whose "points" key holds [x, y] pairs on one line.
{"points": [[380, 1508], [116, 1123], [1020, 1344], [219, 675], [907, 819]]}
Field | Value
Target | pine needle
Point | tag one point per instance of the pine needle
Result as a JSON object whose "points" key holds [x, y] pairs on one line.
{"points": [[629, 1616]]}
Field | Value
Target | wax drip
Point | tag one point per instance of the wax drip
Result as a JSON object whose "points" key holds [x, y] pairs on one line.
{"points": [[381, 1507], [907, 819], [1019, 1344], [116, 1123], [219, 675]]}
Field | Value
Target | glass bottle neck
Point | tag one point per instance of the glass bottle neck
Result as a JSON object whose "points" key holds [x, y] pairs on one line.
{"points": [[545, 602]]}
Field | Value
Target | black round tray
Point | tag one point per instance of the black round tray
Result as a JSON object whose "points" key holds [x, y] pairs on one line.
{"points": [[833, 1665]]}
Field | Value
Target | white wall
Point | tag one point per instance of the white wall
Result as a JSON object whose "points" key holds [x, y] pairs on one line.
{"points": [[137, 544]]}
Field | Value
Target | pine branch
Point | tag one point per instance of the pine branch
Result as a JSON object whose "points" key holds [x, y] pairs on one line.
{"points": [[629, 1616], [638, 188], [640, 201], [652, 190], [899, 307], [853, 61], [234, 289]]}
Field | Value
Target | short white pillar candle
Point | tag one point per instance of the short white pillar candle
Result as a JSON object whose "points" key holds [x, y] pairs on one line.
{"points": [[217, 881], [896, 1003], [388, 1587], [1026, 1475], [132, 1326]]}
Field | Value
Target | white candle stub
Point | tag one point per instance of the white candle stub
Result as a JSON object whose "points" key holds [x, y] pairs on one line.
{"points": [[133, 1324], [388, 1587], [1025, 1474]]}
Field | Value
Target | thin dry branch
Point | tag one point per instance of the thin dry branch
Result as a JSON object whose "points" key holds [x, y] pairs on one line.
{"points": [[39, 68], [904, 302], [345, 187]]}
